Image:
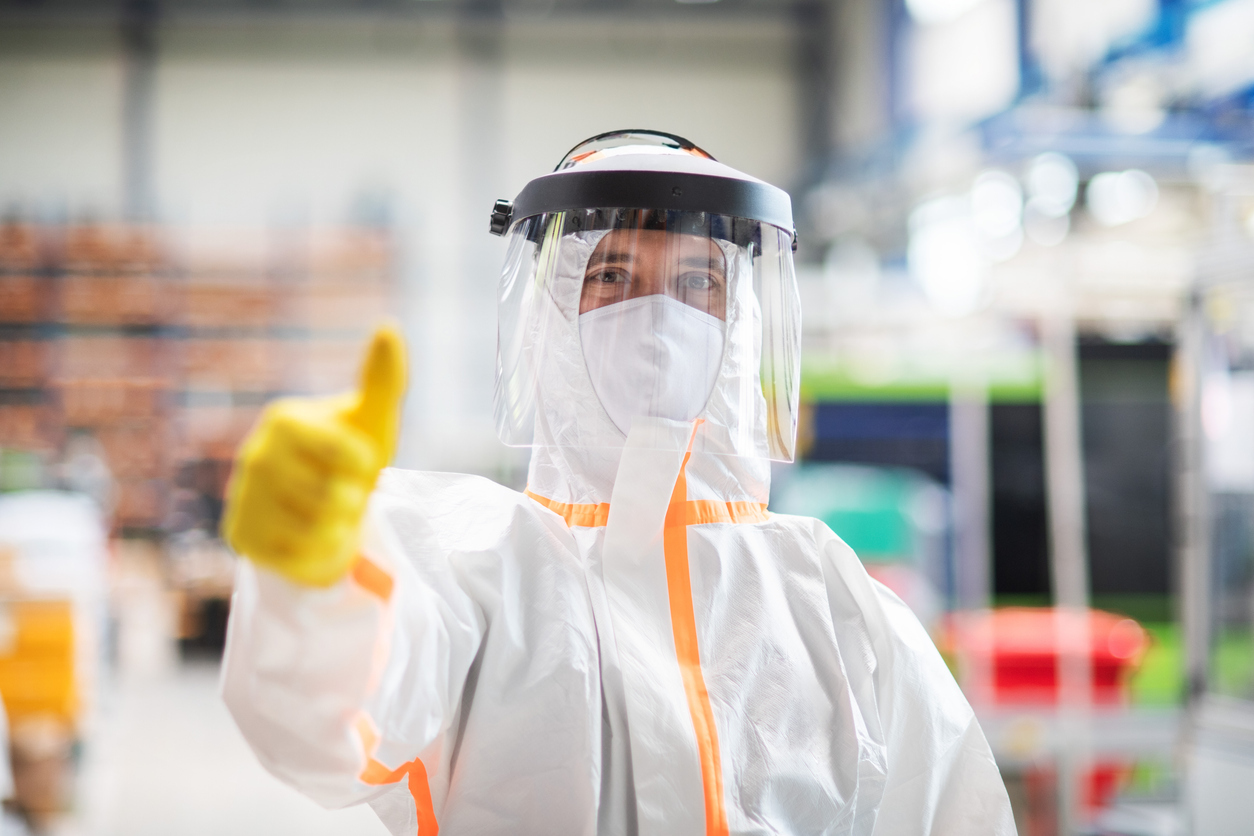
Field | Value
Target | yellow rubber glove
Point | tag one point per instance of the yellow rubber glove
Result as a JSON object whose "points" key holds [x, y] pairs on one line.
{"points": [[302, 477]]}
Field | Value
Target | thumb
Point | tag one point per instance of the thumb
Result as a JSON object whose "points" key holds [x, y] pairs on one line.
{"points": [[376, 408]]}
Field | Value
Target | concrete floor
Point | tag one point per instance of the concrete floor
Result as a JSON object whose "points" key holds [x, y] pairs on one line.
{"points": [[165, 758]]}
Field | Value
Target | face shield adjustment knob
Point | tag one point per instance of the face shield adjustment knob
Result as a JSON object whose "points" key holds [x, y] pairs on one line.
{"points": [[502, 213], [794, 240]]}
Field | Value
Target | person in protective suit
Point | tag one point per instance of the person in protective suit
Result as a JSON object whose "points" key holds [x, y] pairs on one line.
{"points": [[634, 644]]}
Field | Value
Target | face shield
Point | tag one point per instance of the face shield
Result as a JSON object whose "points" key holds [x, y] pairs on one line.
{"points": [[645, 280]]}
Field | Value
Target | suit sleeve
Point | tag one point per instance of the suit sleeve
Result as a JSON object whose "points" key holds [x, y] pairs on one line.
{"points": [[337, 690]]}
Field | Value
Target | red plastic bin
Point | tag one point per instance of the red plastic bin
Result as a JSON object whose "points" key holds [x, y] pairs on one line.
{"points": [[1010, 657], [1018, 649]]}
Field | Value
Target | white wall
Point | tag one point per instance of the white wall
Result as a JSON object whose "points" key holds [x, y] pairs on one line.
{"points": [[60, 123]]}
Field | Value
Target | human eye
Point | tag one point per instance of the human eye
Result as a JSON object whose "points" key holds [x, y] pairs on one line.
{"points": [[698, 280], [607, 275]]}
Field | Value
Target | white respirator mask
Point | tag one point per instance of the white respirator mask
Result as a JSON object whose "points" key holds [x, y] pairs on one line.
{"points": [[653, 356]]}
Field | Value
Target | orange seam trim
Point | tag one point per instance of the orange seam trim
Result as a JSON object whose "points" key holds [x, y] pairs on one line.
{"points": [[587, 515], [688, 512], [684, 627], [376, 774], [371, 578]]}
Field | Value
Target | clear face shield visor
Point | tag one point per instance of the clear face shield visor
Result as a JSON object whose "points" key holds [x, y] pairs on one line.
{"points": [[611, 315]]}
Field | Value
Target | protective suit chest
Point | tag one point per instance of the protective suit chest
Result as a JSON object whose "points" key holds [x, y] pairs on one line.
{"points": [[659, 586]]}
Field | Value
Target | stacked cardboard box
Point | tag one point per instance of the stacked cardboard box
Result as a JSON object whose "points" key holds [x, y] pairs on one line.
{"points": [[26, 350], [113, 371], [165, 346]]}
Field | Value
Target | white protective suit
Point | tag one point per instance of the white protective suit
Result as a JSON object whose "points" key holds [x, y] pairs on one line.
{"points": [[634, 645]]}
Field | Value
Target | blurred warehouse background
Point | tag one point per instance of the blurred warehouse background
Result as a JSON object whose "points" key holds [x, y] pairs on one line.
{"points": [[1026, 267]]}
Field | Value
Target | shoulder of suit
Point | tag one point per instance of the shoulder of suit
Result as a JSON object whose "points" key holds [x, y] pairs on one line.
{"points": [[471, 511]]}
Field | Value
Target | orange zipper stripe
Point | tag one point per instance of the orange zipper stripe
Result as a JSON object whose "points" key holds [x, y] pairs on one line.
{"points": [[684, 627], [681, 513]]}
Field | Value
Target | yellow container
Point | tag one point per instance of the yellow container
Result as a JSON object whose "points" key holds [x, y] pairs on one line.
{"points": [[37, 659]]}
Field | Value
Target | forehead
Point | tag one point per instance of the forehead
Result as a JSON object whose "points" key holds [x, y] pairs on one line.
{"points": [[657, 243]]}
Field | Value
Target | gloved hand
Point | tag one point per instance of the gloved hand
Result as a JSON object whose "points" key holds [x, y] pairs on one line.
{"points": [[302, 477]]}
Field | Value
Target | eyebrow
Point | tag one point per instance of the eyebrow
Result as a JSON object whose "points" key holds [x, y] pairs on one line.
{"points": [[626, 256], [702, 261], [611, 257]]}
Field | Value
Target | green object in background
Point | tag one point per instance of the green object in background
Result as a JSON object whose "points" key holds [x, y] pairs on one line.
{"points": [[1013, 375], [1152, 779], [1023, 600], [1145, 608], [1232, 664], [21, 470], [877, 511], [1159, 681], [873, 533]]}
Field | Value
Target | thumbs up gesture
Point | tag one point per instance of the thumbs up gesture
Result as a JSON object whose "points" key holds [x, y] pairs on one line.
{"points": [[303, 475]]}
